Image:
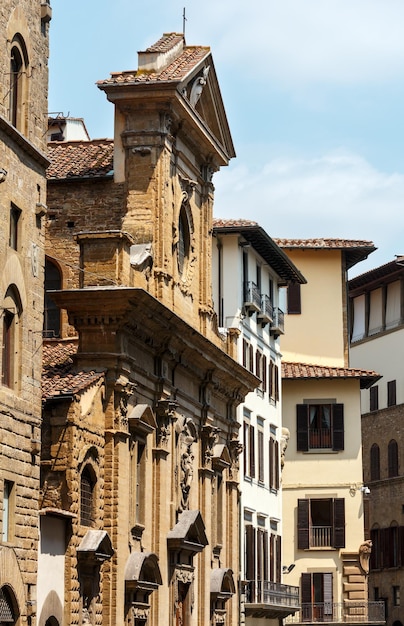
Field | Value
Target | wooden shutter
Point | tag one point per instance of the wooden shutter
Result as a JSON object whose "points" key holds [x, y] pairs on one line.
{"points": [[327, 596], [338, 427], [305, 600], [250, 552], [374, 398], [294, 300], [339, 523], [272, 558], [391, 393], [277, 481], [252, 451], [276, 374], [260, 554], [302, 427], [375, 462], [400, 546], [278, 559], [264, 374], [303, 507], [245, 447], [392, 454], [271, 379], [266, 555], [261, 474]]}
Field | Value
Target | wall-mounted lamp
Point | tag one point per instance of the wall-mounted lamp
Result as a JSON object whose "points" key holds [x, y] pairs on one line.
{"points": [[3, 174], [365, 490], [286, 569]]}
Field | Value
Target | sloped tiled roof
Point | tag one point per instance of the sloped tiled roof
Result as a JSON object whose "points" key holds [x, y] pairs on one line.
{"points": [[59, 376], [355, 250], [310, 371], [80, 159], [174, 72], [378, 276], [264, 245]]}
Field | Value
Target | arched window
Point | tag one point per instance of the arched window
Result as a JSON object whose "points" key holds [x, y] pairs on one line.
{"points": [[11, 311], [18, 80], [392, 453], [53, 281], [87, 491], [375, 462], [184, 240], [8, 607]]}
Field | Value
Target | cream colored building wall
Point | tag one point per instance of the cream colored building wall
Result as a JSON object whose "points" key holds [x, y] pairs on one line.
{"points": [[317, 334], [379, 354], [323, 475]]}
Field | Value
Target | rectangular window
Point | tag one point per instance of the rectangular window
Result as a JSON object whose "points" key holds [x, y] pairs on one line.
{"points": [[15, 214], [249, 450], [391, 393], [273, 464], [374, 398], [320, 426], [8, 509], [321, 523], [261, 474], [396, 595]]}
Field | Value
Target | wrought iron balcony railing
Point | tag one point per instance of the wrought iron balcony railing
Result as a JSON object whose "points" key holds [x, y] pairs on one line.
{"points": [[350, 612], [271, 593], [278, 324], [252, 297]]}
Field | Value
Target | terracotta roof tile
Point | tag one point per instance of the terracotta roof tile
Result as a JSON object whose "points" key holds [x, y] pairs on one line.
{"points": [[59, 376], [322, 243], [77, 159], [311, 371], [174, 72], [166, 42], [226, 223]]}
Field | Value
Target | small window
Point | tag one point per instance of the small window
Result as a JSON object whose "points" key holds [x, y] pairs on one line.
{"points": [[184, 240], [249, 450], [87, 486], [53, 282], [8, 510], [274, 464], [294, 299], [391, 393], [392, 453], [375, 462], [18, 78], [15, 215], [261, 473], [10, 337], [374, 398], [396, 595]]}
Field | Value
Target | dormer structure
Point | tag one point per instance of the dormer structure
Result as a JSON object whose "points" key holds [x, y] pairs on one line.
{"points": [[171, 136]]}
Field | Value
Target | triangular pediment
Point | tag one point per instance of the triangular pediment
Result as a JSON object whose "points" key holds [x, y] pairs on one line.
{"points": [[189, 533], [201, 89]]}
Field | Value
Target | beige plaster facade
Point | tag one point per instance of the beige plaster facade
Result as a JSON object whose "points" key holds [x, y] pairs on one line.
{"points": [[23, 106], [322, 477]]}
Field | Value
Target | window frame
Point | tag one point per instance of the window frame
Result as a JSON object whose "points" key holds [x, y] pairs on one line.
{"points": [[304, 442], [305, 523]]}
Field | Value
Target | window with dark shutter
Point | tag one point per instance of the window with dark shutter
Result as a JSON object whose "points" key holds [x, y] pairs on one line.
{"points": [[339, 523], [251, 451], [392, 454], [276, 382], [374, 398], [302, 427], [391, 393], [261, 476], [294, 299], [249, 552], [272, 558], [278, 558], [303, 509], [375, 554], [87, 484], [337, 426], [277, 483], [375, 462]]}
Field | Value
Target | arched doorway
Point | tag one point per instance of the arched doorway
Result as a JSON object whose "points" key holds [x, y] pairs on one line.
{"points": [[52, 621]]}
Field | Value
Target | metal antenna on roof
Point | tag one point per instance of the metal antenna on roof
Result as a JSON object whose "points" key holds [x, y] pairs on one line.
{"points": [[184, 19]]}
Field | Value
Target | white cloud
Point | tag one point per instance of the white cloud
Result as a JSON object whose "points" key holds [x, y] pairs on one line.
{"points": [[303, 41], [335, 195]]}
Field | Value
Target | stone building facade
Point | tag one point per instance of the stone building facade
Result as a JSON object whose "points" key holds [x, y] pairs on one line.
{"points": [[141, 448], [23, 120]]}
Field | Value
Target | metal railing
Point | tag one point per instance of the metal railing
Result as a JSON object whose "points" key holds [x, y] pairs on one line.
{"points": [[278, 320], [271, 593], [266, 307], [360, 612], [321, 536], [252, 296], [319, 438]]}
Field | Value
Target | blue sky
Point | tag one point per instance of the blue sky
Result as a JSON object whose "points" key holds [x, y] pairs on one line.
{"points": [[314, 94]]}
